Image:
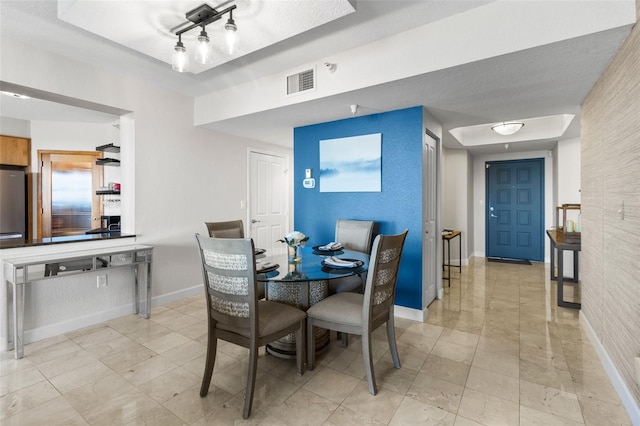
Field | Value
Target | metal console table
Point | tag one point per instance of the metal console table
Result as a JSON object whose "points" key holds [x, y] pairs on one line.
{"points": [[20, 271], [557, 243]]}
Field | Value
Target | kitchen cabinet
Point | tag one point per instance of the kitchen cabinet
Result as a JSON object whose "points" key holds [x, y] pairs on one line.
{"points": [[15, 151]]}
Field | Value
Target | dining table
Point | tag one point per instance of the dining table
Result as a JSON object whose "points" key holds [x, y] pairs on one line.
{"points": [[304, 283]]}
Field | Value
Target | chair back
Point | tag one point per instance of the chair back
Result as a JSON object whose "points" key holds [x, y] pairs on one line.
{"points": [[355, 234], [228, 268], [382, 278], [229, 229]]}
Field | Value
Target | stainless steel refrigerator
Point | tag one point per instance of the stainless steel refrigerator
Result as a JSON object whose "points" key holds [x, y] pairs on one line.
{"points": [[13, 205]]}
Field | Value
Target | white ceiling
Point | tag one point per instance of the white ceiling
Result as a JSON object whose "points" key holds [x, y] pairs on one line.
{"points": [[542, 81]]}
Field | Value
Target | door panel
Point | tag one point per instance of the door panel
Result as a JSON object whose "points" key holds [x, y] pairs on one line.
{"points": [[431, 237], [515, 209], [268, 195]]}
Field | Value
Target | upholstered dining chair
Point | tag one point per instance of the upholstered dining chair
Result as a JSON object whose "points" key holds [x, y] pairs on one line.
{"points": [[231, 229], [234, 312], [353, 235], [360, 314], [228, 229]]}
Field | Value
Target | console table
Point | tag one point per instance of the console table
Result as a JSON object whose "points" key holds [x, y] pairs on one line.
{"points": [[21, 271], [557, 242], [447, 236]]}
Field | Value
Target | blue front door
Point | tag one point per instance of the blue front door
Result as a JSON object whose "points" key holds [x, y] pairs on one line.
{"points": [[515, 209]]}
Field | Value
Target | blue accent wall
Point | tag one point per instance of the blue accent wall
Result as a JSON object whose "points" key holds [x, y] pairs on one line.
{"points": [[397, 207]]}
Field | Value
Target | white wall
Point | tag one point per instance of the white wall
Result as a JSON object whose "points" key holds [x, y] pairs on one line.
{"points": [[184, 176], [455, 190], [14, 127]]}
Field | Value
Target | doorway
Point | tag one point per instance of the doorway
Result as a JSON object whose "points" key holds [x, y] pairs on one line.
{"points": [[515, 209], [67, 199], [268, 209]]}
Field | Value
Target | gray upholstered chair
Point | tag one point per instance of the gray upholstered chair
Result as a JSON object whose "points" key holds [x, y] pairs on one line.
{"points": [[234, 312], [229, 229], [360, 314], [353, 235]]}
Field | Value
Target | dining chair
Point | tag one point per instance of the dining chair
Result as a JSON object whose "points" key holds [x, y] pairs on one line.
{"points": [[360, 314], [231, 229], [234, 312], [353, 235], [228, 229]]}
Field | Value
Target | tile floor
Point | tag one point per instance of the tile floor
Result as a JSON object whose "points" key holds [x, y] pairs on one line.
{"points": [[495, 351]]}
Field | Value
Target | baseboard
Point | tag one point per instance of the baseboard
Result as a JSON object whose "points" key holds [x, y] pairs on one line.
{"points": [[619, 384], [67, 326], [177, 295], [410, 313]]}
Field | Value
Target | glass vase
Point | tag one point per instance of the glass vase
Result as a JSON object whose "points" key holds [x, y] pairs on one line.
{"points": [[294, 254]]}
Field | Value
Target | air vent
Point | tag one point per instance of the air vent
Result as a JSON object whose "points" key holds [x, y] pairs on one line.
{"points": [[301, 82]]}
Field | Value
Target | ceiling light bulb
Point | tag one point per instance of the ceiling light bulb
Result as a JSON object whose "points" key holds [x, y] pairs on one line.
{"points": [[203, 51], [179, 58], [230, 34], [507, 128]]}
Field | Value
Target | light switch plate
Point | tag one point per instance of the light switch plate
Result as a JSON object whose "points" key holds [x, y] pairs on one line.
{"points": [[309, 183]]}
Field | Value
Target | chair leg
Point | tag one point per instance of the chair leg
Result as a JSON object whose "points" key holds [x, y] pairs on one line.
{"points": [[344, 337], [212, 347], [251, 379], [368, 361], [301, 344], [393, 348], [311, 345]]}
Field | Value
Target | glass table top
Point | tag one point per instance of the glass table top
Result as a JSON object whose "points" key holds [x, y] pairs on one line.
{"points": [[311, 268]]}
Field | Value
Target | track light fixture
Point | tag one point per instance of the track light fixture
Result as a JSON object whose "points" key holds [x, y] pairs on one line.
{"points": [[202, 16]]}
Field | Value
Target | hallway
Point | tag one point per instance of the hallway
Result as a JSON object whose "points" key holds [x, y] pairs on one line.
{"points": [[496, 350]]}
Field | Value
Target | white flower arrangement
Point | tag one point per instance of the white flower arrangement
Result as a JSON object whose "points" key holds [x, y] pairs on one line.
{"points": [[294, 239]]}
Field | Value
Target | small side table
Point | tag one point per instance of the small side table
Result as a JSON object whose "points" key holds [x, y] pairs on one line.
{"points": [[447, 236]]}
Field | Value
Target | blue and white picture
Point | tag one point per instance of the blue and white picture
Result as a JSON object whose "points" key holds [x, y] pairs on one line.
{"points": [[351, 164]]}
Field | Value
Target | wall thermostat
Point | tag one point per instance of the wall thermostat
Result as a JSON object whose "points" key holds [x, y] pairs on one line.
{"points": [[309, 183]]}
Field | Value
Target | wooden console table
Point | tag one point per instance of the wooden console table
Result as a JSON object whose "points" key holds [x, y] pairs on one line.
{"points": [[557, 242], [447, 236], [21, 271]]}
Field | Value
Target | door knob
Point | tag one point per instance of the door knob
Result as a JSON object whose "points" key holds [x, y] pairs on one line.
{"points": [[255, 221], [493, 215]]}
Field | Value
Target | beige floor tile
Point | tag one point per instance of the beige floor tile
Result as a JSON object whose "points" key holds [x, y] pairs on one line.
{"points": [[20, 379], [488, 410], [494, 384], [446, 369], [332, 385], [597, 412], [148, 330], [453, 351], [412, 412], [96, 336], [459, 337], [463, 421], [170, 384], [147, 370], [41, 354], [111, 347], [128, 357], [546, 376], [417, 341], [9, 364], [80, 376], [380, 407], [56, 412], [164, 343], [502, 345], [26, 398], [65, 363], [302, 408], [532, 417], [436, 392], [343, 416], [550, 400], [189, 406], [500, 363]]}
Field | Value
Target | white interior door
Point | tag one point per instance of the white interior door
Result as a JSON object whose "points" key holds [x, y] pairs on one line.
{"points": [[268, 200], [431, 237]]}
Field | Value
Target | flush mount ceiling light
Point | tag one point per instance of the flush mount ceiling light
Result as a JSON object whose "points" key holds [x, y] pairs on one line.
{"points": [[507, 128], [202, 16]]}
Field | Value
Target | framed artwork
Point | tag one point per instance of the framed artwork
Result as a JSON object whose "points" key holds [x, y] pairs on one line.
{"points": [[351, 164]]}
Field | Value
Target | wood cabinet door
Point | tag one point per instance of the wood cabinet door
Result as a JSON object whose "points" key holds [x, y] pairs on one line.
{"points": [[14, 151]]}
